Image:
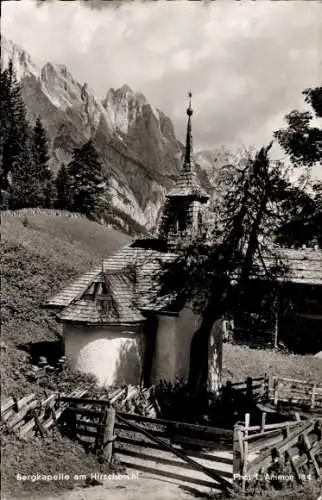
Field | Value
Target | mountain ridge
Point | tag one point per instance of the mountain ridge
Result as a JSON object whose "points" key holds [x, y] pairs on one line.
{"points": [[136, 141]]}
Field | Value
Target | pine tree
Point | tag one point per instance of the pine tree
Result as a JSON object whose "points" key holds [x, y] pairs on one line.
{"points": [[4, 126], [63, 200], [86, 181], [4, 134], [17, 165], [213, 275], [301, 140], [8, 151], [44, 177]]}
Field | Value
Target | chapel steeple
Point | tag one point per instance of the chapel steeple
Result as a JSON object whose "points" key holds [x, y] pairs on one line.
{"points": [[182, 214], [189, 146]]}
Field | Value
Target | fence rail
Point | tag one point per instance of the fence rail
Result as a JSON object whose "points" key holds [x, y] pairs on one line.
{"points": [[277, 391], [31, 415], [41, 211], [295, 447], [298, 392]]}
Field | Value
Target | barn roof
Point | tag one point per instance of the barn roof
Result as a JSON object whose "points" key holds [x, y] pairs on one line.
{"points": [[303, 266], [117, 290]]}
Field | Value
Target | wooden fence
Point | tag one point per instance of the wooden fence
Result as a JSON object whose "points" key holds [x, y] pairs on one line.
{"points": [[183, 453], [287, 391], [279, 392], [30, 415], [252, 389], [125, 423], [293, 448], [23, 212]]}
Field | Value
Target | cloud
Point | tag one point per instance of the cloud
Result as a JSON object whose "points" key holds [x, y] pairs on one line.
{"points": [[245, 62]]}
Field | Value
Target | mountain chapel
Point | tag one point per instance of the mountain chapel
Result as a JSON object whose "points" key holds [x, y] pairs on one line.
{"points": [[115, 325]]}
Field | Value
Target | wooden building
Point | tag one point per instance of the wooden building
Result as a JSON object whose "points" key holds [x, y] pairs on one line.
{"points": [[296, 319]]}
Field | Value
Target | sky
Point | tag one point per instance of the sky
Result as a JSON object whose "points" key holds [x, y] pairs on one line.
{"points": [[246, 63]]}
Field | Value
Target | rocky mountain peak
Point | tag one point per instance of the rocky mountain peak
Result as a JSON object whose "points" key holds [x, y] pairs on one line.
{"points": [[22, 63], [60, 86], [125, 90], [141, 98]]}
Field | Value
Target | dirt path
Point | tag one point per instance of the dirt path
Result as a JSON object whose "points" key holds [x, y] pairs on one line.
{"points": [[140, 488]]}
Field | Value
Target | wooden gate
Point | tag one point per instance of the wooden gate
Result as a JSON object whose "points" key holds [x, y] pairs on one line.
{"points": [[182, 453], [186, 454]]}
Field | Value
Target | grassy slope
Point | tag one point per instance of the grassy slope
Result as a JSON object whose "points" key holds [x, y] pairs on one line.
{"points": [[240, 362], [38, 260]]}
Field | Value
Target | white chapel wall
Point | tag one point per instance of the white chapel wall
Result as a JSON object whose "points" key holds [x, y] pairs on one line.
{"points": [[112, 354], [164, 362], [186, 324], [172, 353]]}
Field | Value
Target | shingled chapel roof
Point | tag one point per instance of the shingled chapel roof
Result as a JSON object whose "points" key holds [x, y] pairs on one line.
{"points": [[187, 185], [117, 291]]}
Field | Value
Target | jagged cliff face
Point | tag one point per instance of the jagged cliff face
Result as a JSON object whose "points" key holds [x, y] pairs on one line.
{"points": [[136, 142]]}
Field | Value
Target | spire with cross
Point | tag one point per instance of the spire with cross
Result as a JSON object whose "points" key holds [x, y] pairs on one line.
{"points": [[189, 148], [183, 206]]}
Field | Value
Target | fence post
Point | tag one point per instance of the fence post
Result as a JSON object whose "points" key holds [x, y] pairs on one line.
{"points": [[276, 330], [108, 434], [249, 390], [275, 384], [266, 388], [73, 424], [237, 451], [263, 422], [313, 395], [245, 450]]}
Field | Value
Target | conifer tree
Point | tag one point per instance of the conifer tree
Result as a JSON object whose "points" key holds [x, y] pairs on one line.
{"points": [[17, 153], [86, 181], [44, 177], [63, 200], [17, 166], [213, 275], [4, 126], [25, 176]]}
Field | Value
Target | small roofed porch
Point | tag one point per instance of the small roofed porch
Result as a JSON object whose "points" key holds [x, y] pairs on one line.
{"points": [[168, 349]]}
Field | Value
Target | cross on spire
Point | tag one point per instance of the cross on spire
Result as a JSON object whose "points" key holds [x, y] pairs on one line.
{"points": [[188, 153], [189, 110]]}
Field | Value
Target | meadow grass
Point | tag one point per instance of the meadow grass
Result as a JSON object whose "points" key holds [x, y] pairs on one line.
{"points": [[240, 362]]}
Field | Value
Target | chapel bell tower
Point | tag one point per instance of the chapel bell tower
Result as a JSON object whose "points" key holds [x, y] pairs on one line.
{"points": [[184, 205]]}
